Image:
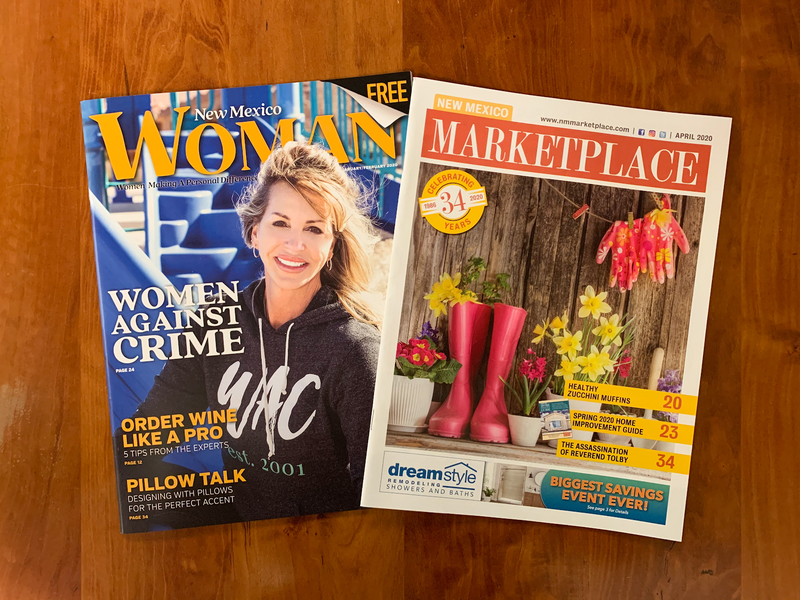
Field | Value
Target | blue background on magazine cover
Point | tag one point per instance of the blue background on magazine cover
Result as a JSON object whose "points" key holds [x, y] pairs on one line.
{"points": [[191, 234]]}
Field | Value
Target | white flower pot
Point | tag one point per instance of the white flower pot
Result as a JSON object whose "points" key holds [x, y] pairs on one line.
{"points": [[665, 446], [618, 439], [486, 498], [411, 401], [581, 405], [525, 431], [644, 443], [651, 444], [613, 438]]}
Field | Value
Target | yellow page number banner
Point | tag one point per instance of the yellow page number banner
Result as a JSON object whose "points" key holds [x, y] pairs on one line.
{"points": [[611, 454], [604, 393], [633, 426]]}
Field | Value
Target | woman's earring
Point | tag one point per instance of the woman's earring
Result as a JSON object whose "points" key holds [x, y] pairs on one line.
{"points": [[330, 266], [255, 252]]}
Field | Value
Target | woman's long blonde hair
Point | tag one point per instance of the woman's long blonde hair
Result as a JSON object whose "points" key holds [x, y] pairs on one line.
{"points": [[317, 176]]}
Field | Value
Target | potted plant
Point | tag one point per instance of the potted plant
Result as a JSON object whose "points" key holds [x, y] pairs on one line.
{"points": [[531, 384], [487, 494], [418, 366]]}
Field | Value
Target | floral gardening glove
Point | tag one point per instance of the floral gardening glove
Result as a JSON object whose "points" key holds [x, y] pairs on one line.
{"points": [[623, 243], [659, 230]]}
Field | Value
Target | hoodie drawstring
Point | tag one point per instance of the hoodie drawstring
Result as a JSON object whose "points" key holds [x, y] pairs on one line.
{"points": [[268, 420], [268, 416], [286, 358]]}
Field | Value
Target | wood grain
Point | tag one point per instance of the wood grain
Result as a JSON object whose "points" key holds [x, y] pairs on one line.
{"points": [[40, 442], [162, 46], [770, 328], [665, 56], [59, 527]]}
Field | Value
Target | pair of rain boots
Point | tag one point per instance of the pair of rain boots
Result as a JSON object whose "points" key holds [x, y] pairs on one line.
{"points": [[467, 330]]}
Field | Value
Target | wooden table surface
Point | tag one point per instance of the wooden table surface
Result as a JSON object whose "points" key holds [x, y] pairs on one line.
{"points": [[59, 526]]}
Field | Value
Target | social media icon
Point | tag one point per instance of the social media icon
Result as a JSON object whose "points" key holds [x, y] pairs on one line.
{"points": [[652, 133], [662, 134], [641, 132]]}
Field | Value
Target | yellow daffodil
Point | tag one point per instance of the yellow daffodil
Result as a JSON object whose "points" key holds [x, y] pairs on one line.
{"points": [[468, 296], [559, 323], [568, 369], [592, 304], [436, 306], [569, 344], [434, 299], [597, 363], [609, 329], [450, 284], [446, 293], [539, 332]]}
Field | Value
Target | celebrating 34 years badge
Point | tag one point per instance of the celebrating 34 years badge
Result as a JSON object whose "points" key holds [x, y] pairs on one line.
{"points": [[453, 201]]}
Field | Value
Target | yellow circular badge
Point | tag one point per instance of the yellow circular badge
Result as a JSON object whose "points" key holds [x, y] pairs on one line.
{"points": [[453, 201]]}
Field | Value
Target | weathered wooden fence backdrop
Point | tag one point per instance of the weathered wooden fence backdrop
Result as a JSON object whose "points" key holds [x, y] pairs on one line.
{"points": [[528, 230]]}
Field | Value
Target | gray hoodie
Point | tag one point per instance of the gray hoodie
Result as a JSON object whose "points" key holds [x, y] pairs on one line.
{"points": [[316, 376]]}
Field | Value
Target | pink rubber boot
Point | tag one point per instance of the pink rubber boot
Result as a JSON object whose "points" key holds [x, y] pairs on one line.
{"points": [[490, 421], [467, 329]]}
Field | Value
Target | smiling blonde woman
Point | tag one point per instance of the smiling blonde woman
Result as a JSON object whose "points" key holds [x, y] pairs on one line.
{"points": [[302, 385]]}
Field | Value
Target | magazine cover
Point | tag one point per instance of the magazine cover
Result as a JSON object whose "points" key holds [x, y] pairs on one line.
{"points": [[548, 298], [242, 240]]}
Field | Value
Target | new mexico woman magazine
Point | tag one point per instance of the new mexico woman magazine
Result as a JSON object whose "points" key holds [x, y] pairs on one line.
{"points": [[242, 239]]}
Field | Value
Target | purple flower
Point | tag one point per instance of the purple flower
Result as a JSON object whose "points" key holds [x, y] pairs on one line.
{"points": [[429, 331], [671, 382], [666, 417]]}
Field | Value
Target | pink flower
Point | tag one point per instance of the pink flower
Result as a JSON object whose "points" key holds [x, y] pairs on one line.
{"points": [[533, 368], [428, 357], [415, 358], [623, 367], [419, 343], [539, 365]]}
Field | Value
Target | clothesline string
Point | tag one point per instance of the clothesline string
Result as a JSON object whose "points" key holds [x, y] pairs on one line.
{"points": [[575, 204]]}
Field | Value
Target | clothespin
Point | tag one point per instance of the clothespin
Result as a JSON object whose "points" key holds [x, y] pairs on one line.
{"points": [[580, 211], [659, 202], [630, 221]]}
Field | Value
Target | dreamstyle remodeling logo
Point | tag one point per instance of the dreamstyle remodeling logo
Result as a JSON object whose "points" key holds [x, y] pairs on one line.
{"points": [[420, 475]]}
